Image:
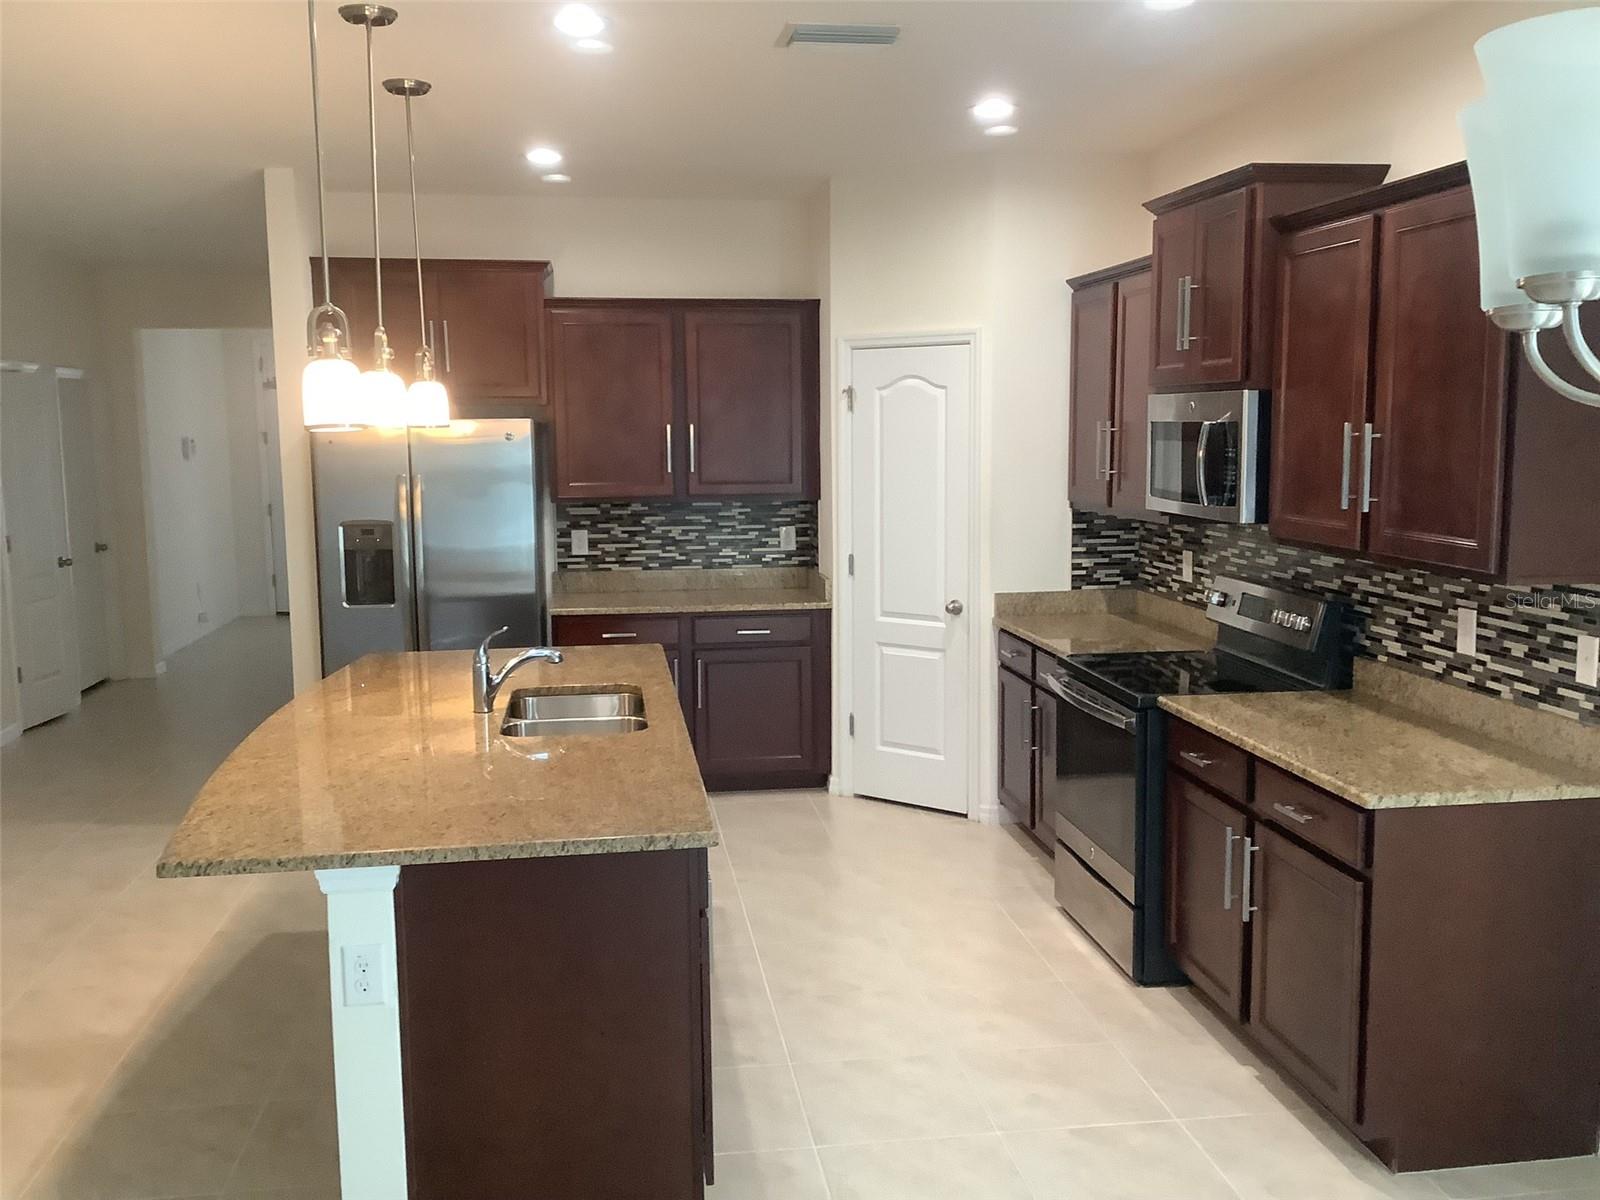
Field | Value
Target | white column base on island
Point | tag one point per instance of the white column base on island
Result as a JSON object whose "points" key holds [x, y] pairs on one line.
{"points": [[366, 1034]]}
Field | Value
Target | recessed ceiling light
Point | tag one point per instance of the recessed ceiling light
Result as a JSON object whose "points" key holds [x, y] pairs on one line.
{"points": [[592, 46], [544, 156], [999, 131], [993, 108], [1166, 5], [579, 21], [556, 177]]}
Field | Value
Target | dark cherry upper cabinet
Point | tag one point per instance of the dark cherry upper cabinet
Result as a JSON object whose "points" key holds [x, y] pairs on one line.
{"points": [[1214, 257], [747, 400], [1323, 387], [1110, 376], [611, 388], [1094, 335], [353, 291], [485, 324], [1016, 782], [1460, 459], [1130, 397], [488, 321], [1439, 394], [1205, 840], [1306, 966]]}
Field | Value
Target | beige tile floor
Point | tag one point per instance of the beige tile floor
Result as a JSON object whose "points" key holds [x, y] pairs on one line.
{"points": [[900, 1010]]}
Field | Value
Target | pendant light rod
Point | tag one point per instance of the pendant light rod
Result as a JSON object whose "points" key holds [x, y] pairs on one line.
{"points": [[372, 16], [409, 88], [316, 138]]}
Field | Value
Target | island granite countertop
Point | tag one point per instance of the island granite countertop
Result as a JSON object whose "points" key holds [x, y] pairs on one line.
{"points": [[385, 763], [1398, 740]]}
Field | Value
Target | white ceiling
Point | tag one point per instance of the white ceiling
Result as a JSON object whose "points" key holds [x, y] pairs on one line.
{"points": [[132, 130]]}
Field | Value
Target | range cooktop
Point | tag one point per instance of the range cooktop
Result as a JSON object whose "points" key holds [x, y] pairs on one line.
{"points": [[1138, 678]]}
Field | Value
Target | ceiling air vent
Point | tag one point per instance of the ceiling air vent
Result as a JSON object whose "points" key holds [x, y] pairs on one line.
{"points": [[839, 35]]}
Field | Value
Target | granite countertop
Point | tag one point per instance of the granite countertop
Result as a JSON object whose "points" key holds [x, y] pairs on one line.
{"points": [[618, 593], [1097, 633], [1400, 741], [385, 763]]}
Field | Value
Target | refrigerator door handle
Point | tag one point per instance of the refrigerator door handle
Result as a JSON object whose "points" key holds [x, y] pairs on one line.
{"points": [[403, 578], [424, 641]]}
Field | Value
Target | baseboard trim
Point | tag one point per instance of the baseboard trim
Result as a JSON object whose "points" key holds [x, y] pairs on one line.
{"points": [[989, 813]]}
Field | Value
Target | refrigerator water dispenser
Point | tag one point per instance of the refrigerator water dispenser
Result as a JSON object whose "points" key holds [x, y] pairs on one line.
{"points": [[366, 550]]}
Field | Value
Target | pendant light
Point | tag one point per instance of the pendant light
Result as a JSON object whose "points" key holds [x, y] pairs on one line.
{"points": [[427, 402], [328, 385], [383, 395]]}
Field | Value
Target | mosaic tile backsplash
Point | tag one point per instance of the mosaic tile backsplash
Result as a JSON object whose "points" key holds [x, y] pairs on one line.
{"points": [[1527, 638], [708, 534]]}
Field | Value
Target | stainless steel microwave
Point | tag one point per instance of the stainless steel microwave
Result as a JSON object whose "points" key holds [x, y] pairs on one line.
{"points": [[1208, 455]]}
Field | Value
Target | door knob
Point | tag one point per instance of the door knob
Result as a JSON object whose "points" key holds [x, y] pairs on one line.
{"points": [[63, 561], [101, 547], [954, 608]]}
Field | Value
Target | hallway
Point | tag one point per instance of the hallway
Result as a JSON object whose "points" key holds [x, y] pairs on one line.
{"points": [[112, 1057]]}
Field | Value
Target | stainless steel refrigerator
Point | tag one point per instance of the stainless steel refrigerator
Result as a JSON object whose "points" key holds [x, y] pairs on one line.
{"points": [[432, 538]]}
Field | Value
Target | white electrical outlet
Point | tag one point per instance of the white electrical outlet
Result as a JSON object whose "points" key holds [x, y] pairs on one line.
{"points": [[786, 537], [1588, 664], [363, 975], [1186, 572], [1466, 630], [580, 541]]}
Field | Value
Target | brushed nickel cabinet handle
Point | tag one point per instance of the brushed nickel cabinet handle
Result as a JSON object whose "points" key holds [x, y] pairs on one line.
{"points": [[693, 464], [445, 322], [1111, 431], [610, 636], [752, 633], [1369, 435], [1293, 813], [1227, 867], [1199, 760], [699, 683], [1247, 904], [669, 449], [1344, 470]]}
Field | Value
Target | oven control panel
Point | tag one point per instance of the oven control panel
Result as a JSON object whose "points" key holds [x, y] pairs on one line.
{"points": [[1292, 618]]}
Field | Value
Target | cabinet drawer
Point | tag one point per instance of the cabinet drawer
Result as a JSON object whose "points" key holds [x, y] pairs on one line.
{"points": [[1303, 811], [1015, 653], [1218, 764], [614, 631], [752, 629]]}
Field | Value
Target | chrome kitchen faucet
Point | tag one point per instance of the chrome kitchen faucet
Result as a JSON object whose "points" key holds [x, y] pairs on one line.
{"points": [[486, 684]]}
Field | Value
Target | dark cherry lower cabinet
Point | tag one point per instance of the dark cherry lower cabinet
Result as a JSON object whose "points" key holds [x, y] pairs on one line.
{"points": [[754, 688], [1026, 738], [555, 1027], [1016, 783], [1422, 973]]}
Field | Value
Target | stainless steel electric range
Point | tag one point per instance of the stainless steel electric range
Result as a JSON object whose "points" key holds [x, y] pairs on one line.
{"points": [[1103, 771]]}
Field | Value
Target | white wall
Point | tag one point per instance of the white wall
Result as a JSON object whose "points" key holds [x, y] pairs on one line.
{"points": [[1391, 100], [193, 385], [245, 353], [601, 247]]}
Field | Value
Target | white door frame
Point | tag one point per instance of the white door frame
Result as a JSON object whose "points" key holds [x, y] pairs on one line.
{"points": [[844, 584]]}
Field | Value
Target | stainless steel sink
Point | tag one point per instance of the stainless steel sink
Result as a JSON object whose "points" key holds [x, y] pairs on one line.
{"points": [[534, 713]]}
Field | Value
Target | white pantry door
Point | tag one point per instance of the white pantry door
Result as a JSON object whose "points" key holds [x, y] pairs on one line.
{"points": [[44, 616], [910, 437]]}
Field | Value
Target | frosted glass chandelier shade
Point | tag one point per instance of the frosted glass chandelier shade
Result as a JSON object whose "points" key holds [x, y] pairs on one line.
{"points": [[1497, 286], [382, 398], [427, 403], [330, 394], [1543, 102]]}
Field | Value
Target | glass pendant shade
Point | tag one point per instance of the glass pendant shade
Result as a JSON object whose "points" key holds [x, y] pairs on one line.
{"points": [[1497, 286], [330, 394], [427, 403], [1543, 101], [382, 398]]}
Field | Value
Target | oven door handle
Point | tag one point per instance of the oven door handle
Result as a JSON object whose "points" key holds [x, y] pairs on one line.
{"points": [[1085, 702]]}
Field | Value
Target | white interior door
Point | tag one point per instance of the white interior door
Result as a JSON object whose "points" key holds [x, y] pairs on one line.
{"points": [[44, 616], [87, 546], [910, 529]]}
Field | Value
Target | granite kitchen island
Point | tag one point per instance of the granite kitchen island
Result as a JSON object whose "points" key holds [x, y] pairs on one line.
{"points": [[517, 926]]}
